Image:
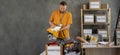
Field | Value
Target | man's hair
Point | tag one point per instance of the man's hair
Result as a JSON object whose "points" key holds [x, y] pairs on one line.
{"points": [[63, 3]]}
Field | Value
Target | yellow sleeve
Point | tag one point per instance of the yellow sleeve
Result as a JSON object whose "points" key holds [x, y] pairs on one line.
{"points": [[70, 19], [52, 17]]}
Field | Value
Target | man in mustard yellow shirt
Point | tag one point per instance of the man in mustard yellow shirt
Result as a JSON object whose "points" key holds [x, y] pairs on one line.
{"points": [[63, 17]]}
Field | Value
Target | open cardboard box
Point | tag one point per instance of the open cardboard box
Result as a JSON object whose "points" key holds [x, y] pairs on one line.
{"points": [[54, 49]]}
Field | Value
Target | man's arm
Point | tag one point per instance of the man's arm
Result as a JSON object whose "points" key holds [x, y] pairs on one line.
{"points": [[69, 22], [51, 24], [66, 27]]}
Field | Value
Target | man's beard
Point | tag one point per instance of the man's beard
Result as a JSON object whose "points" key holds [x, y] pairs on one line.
{"points": [[62, 11]]}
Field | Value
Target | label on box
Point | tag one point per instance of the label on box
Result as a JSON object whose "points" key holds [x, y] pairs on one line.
{"points": [[88, 18], [94, 5], [101, 18], [53, 50]]}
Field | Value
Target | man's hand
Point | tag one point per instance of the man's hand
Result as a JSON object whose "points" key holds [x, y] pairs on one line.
{"points": [[66, 27], [52, 26]]}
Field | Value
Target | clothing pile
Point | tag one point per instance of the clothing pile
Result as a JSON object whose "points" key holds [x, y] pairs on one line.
{"points": [[70, 47]]}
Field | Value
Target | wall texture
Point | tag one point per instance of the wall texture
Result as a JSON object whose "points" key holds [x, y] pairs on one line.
{"points": [[23, 23]]}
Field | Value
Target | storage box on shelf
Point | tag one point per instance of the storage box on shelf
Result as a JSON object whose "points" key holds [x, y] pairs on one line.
{"points": [[94, 4], [118, 33], [118, 36], [88, 31], [88, 18], [102, 7], [103, 33], [101, 18], [96, 19]]}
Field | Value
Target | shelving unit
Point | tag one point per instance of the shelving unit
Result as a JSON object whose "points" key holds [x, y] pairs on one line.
{"points": [[117, 30], [98, 50], [107, 10]]}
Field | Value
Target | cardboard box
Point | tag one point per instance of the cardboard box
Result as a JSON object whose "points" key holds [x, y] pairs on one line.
{"points": [[94, 5], [103, 33], [89, 18], [54, 50], [119, 22], [118, 33], [118, 41], [101, 18], [87, 31]]}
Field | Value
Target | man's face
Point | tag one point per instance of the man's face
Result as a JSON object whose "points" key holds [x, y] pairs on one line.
{"points": [[63, 8]]}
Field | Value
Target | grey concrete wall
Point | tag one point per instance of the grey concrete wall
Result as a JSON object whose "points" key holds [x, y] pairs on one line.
{"points": [[23, 23]]}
